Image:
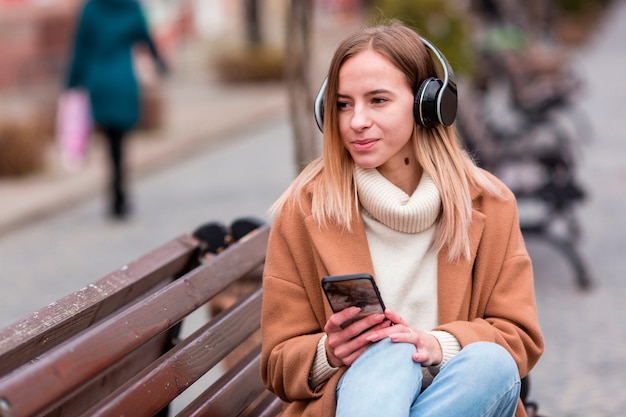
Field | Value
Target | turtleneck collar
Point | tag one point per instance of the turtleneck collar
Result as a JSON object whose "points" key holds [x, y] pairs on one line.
{"points": [[393, 207]]}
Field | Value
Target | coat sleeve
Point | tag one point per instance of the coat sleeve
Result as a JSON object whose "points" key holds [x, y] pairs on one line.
{"points": [[291, 323], [145, 36]]}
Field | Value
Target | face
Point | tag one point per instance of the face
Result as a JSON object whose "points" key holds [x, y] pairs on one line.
{"points": [[375, 113]]}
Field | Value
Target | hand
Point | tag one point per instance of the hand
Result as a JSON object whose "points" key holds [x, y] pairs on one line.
{"points": [[427, 348], [344, 346]]}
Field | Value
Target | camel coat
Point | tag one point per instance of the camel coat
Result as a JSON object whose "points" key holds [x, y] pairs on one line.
{"points": [[488, 298]]}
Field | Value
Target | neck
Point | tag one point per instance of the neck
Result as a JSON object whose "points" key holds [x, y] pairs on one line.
{"points": [[405, 174]]}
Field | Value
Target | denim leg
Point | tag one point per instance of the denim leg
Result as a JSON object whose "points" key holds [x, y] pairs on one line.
{"points": [[383, 381], [482, 380]]}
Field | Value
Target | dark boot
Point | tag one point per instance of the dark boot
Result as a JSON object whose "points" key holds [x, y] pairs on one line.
{"points": [[119, 205]]}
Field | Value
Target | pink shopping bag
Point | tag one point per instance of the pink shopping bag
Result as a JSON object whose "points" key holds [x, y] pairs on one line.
{"points": [[73, 127]]}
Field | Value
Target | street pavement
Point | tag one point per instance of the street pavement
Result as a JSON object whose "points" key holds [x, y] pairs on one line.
{"points": [[232, 156], [583, 370], [52, 257]]}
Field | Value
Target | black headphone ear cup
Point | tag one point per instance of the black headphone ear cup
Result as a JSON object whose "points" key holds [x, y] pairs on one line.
{"points": [[448, 104], [425, 102]]}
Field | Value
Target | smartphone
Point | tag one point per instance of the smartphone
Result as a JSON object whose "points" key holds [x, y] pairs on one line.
{"points": [[360, 290]]}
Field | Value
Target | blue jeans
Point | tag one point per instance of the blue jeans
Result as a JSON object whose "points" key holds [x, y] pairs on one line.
{"points": [[482, 380]]}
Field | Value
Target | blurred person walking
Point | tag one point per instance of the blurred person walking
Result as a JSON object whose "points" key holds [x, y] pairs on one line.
{"points": [[102, 64]]}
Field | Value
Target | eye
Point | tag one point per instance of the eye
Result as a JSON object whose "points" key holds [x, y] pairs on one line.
{"points": [[379, 100], [341, 105]]}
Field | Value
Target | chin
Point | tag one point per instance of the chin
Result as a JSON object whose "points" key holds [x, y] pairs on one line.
{"points": [[367, 165]]}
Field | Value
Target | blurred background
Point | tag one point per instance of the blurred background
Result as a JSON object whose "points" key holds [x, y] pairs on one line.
{"points": [[231, 124]]}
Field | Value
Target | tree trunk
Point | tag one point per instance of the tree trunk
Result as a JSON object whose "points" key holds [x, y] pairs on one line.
{"points": [[298, 76], [253, 23]]}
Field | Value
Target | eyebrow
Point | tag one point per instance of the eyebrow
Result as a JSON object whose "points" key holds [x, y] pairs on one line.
{"points": [[368, 94]]}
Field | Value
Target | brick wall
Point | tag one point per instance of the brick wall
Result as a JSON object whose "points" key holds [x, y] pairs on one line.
{"points": [[34, 44]]}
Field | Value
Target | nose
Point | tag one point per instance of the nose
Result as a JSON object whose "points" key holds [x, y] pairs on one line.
{"points": [[361, 118]]}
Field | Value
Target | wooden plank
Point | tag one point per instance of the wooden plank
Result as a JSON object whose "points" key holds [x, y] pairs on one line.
{"points": [[118, 374], [55, 375], [267, 405], [39, 332], [231, 393], [185, 364]]}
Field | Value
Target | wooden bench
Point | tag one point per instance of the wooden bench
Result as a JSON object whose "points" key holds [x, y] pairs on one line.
{"points": [[115, 347]]}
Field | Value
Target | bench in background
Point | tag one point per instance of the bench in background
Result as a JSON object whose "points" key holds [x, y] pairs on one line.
{"points": [[115, 347]]}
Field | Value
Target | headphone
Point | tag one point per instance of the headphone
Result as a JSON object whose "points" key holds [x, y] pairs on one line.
{"points": [[435, 100]]}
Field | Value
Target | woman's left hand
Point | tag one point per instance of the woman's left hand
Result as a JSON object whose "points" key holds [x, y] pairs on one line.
{"points": [[427, 348]]}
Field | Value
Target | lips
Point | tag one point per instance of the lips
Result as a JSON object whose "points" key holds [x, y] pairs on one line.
{"points": [[363, 145]]}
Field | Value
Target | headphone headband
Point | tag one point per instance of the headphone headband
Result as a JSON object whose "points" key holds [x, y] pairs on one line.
{"points": [[435, 100], [318, 106]]}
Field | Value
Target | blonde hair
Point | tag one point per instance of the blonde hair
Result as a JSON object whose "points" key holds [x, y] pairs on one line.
{"points": [[330, 177]]}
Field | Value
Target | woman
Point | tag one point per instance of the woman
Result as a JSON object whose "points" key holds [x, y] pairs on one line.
{"points": [[402, 201], [102, 63]]}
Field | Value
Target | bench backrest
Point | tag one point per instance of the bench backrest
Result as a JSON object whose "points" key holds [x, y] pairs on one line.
{"points": [[108, 349]]}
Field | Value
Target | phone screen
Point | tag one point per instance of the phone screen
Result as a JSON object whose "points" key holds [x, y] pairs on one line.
{"points": [[360, 290]]}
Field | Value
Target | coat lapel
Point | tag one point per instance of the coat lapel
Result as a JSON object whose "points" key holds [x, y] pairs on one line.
{"points": [[333, 243], [455, 279]]}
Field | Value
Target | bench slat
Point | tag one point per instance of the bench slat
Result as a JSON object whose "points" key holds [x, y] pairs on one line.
{"points": [[268, 405], [55, 375], [184, 364], [37, 333], [116, 375], [232, 392]]}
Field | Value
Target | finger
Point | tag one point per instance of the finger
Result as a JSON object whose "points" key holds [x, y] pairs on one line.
{"points": [[383, 330], [365, 324], [334, 323], [348, 351], [422, 356], [403, 337], [349, 360], [395, 317]]}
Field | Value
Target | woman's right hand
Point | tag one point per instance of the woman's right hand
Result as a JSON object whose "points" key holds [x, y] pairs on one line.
{"points": [[344, 346]]}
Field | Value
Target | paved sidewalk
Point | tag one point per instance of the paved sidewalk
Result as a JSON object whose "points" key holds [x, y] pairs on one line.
{"points": [[198, 113]]}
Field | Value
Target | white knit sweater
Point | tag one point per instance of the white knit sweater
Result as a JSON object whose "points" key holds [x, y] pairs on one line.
{"points": [[400, 230]]}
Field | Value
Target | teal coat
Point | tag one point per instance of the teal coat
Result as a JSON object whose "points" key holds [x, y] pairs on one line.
{"points": [[102, 63]]}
